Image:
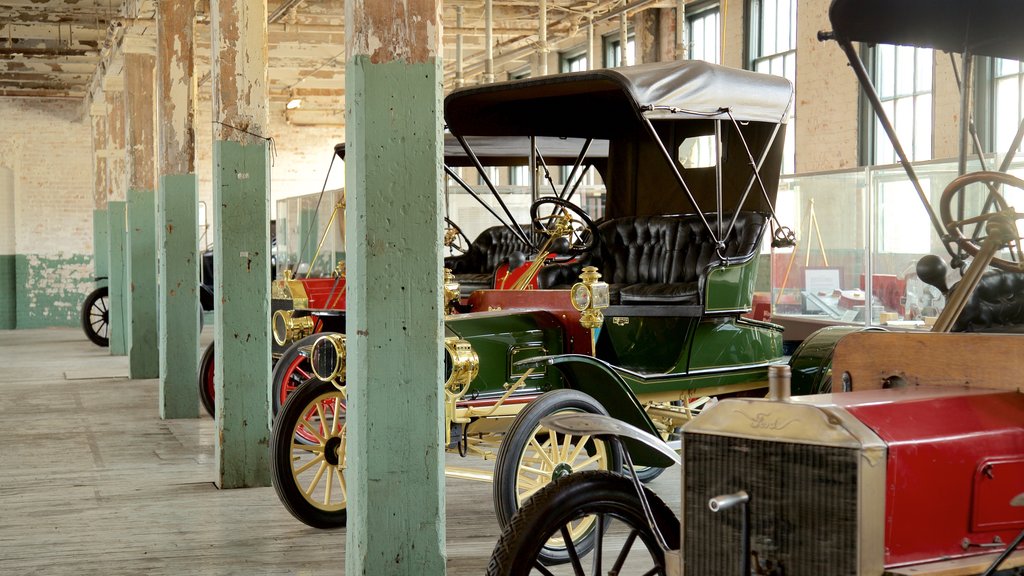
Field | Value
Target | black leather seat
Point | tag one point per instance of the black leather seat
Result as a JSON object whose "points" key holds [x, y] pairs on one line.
{"points": [[475, 269], [997, 305], [658, 260]]}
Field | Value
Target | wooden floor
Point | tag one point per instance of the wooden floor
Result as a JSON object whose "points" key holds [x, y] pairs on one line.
{"points": [[92, 481]]}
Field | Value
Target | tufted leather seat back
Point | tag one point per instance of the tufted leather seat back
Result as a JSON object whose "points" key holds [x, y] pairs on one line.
{"points": [[997, 305], [658, 259], [475, 269], [668, 249]]}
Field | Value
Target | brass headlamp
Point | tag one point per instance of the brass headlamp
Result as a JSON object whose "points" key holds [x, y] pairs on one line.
{"points": [[590, 296], [450, 287], [328, 356], [288, 328], [461, 365]]}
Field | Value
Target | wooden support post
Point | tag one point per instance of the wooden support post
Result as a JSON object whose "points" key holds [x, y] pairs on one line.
{"points": [[241, 179], [177, 211], [100, 221], [140, 124], [395, 471], [117, 182]]}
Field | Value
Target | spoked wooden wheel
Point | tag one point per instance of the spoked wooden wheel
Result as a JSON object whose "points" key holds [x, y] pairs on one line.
{"points": [[96, 316], [206, 384], [625, 542], [531, 456], [309, 477], [983, 202]]}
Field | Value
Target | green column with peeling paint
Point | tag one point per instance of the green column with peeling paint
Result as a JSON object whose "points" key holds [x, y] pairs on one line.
{"points": [[241, 263], [120, 313], [144, 355], [179, 297], [396, 512], [101, 242]]}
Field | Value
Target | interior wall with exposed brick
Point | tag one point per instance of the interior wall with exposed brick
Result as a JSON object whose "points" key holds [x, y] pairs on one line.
{"points": [[46, 202]]}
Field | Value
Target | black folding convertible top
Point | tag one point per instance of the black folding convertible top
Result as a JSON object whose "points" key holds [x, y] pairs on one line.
{"points": [[606, 103], [514, 151], [984, 27]]}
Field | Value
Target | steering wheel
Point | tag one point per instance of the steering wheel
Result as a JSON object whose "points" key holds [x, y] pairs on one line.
{"points": [[958, 229], [454, 238], [565, 220]]}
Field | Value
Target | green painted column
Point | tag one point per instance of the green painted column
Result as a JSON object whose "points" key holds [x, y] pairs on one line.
{"points": [[179, 297], [241, 264], [101, 242], [177, 211], [396, 514], [140, 129], [241, 208], [120, 312], [144, 358]]}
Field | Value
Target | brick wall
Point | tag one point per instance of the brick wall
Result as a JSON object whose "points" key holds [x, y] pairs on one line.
{"points": [[45, 148]]}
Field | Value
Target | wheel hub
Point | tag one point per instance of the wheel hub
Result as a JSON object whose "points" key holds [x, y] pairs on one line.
{"points": [[561, 470], [331, 450]]}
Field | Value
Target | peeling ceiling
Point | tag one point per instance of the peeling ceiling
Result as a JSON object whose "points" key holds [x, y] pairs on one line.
{"points": [[57, 48]]}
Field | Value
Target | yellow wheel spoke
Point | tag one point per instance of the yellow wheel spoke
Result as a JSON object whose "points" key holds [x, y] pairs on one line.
{"points": [[320, 414], [316, 479], [327, 488], [315, 448], [309, 426], [579, 448], [593, 459], [535, 471], [540, 450], [341, 482], [308, 465]]}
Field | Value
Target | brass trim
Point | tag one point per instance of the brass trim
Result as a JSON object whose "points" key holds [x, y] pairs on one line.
{"points": [[287, 328], [322, 368], [512, 359]]}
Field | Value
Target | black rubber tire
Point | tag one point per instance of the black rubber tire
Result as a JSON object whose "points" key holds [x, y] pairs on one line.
{"points": [[204, 379], [513, 445], [283, 363], [288, 491], [96, 316], [648, 473], [589, 492]]}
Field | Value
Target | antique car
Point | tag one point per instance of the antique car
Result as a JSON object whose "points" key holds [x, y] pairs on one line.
{"points": [[914, 465], [644, 309], [95, 313], [303, 307]]}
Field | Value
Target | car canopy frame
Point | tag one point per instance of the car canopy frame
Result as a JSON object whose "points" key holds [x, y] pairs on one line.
{"points": [[642, 110], [966, 27]]}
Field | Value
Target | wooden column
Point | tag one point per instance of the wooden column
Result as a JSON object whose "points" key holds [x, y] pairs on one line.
{"points": [[117, 182], [395, 471], [177, 211], [140, 124], [241, 178], [100, 220]]}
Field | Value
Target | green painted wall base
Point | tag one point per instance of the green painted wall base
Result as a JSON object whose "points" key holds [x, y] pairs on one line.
{"points": [[144, 354], [179, 296], [101, 242], [120, 313], [241, 207], [8, 292], [50, 290], [396, 512]]}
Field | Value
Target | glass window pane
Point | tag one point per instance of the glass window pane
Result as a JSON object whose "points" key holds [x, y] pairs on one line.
{"points": [[904, 70], [1007, 97], [885, 75], [904, 122], [923, 127], [783, 34], [769, 44]]}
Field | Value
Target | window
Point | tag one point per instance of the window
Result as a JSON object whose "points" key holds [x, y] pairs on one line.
{"points": [[612, 50], [703, 31], [492, 175], [903, 79], [773, 51], [519, 74], [1007, 84], [519, 175], [575, 61], [903, 224]]}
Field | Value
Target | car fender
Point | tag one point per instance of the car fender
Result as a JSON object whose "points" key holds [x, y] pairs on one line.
{"points": [[811, 363], [599, 379]]}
